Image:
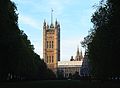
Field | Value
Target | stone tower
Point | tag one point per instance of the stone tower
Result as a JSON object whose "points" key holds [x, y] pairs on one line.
{"points": [[51, 44]]}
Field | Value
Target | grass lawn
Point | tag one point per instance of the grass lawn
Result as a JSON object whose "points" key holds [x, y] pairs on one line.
{"points": [[59, 84]]}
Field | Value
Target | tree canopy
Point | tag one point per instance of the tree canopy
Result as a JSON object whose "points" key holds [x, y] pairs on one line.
{"points": [[18, 61], [104, 39]]}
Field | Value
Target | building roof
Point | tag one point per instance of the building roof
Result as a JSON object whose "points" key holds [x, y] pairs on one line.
{"points": [[69, 63]]}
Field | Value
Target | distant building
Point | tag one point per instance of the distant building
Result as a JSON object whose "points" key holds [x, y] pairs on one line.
{"points": [[78, 56], [69, 67], [72, 66]]}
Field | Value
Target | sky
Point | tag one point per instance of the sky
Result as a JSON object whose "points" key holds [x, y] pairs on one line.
{"points": [[74, 17]]}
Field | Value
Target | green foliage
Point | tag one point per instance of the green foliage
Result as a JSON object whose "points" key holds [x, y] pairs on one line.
{"points": [[60, 74], [76, 75], [104, 40], [12, 13], [18, 61]]}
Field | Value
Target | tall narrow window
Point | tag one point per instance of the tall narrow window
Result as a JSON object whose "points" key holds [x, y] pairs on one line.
{"points": [[52, 59], [52, 44], [47, 44], [49, 59]]}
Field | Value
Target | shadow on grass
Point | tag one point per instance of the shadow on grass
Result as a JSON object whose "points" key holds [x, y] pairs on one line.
{"points": [[59, 84]]}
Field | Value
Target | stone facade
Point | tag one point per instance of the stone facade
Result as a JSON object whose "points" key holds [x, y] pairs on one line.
{"points": [[72, 66], [69, 67], [51, 44]]}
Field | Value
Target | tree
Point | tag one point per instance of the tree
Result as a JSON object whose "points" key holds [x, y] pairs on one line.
{"points": [[76, 75], [50, 74], [18, 61], [104, 40], [3, 25], [60, 74]]}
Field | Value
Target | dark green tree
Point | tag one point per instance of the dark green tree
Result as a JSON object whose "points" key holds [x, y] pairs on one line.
{"points": [[76, 76], [18, 61], [60, 74], [104, 40], [50, 74], [3, 31], [16, 57]]}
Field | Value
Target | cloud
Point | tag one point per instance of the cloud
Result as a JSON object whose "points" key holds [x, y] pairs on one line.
{"points": [[27, 20]]}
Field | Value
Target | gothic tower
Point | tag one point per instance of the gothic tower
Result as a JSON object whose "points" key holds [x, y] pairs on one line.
{"points": [[51, 44], [79, 56]]}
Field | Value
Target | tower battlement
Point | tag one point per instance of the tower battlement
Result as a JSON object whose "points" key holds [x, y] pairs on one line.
{"points": [[56, 25]]}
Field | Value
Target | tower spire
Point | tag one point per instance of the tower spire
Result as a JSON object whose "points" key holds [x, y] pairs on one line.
{"points": [[51, 16], [78, 50]]}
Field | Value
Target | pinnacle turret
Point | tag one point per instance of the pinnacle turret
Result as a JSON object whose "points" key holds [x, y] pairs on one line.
{"points": [[77, 50], [44, 23]]}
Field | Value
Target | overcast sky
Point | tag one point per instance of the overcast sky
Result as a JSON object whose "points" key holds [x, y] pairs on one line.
{"points": [[74, 17]]}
